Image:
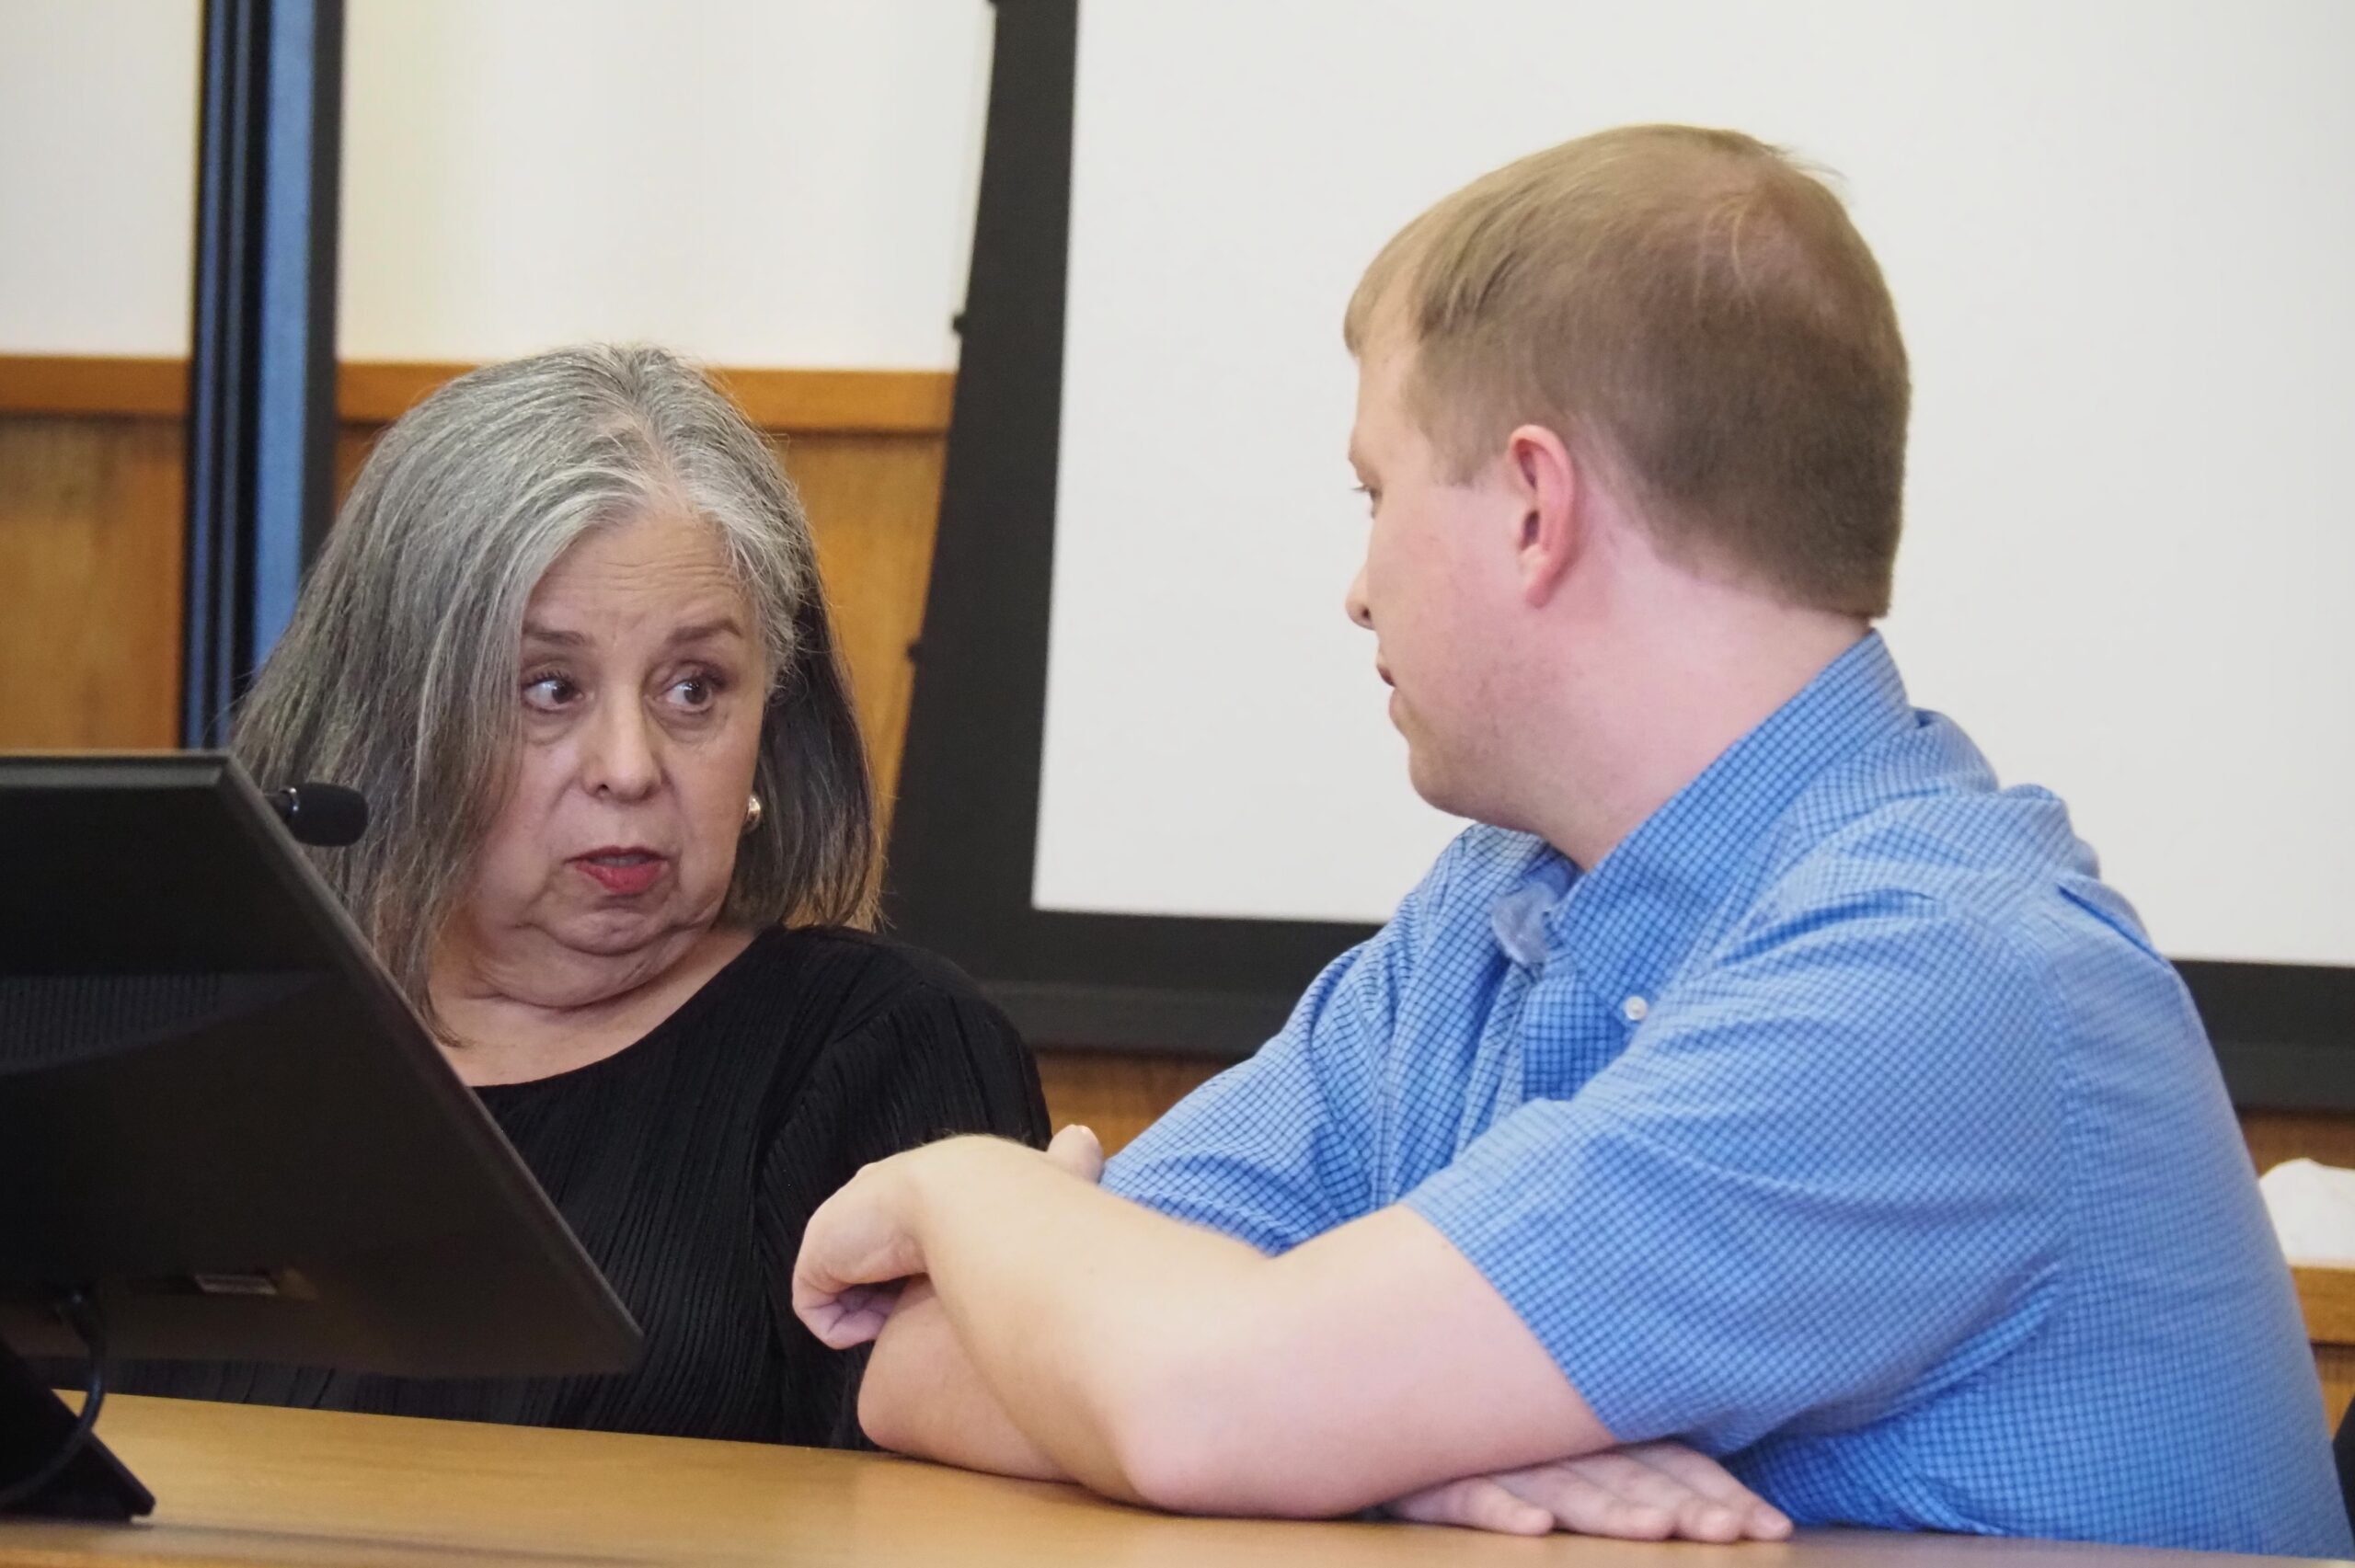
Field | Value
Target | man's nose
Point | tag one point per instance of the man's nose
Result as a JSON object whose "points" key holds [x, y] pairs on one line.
{"points": [[1354, 603]]}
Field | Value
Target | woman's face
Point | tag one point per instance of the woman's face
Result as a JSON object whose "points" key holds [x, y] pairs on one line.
{"points": [[643, 681]]}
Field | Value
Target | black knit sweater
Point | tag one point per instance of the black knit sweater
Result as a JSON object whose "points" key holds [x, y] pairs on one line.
{"points": [[689, 1163]]}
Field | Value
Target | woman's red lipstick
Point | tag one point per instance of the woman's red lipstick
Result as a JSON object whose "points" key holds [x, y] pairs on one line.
{"points": [[625, 871]]}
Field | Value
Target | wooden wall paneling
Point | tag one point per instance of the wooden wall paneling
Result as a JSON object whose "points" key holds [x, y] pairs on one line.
{"points": [[873, 502], [90, 569], [2326, 1296], [906, 403], [2276, 1136], [352, 445], [2334, 1367], [378, 392], [51, 384], [1119, 1093]]}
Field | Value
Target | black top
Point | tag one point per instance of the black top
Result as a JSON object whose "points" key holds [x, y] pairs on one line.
{"points": [[689, 1163]]}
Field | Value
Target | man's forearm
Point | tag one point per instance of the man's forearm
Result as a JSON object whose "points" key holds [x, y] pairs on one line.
{"points": [[923, 1396], [1078, 1311], [1165, 1364]]}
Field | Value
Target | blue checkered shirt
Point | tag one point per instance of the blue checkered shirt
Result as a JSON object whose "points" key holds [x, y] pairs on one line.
{"points": [[1839, 1122]]}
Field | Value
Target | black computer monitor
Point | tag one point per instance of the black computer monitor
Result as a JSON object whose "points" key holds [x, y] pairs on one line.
{"points": [[222, 1127]]}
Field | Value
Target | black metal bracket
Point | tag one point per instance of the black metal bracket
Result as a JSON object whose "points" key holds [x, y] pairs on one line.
{"points": [[261, 369]]}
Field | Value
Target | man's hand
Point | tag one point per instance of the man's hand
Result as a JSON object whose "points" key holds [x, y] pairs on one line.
{"points": [[1076, 1149], [922, 1395], [860, 1244], [1648, 1492]]}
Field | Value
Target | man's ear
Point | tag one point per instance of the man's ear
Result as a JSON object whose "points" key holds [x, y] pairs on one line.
{"points": [[1545, 482]]}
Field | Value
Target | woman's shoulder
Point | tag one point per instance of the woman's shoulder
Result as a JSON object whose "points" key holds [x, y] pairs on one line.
{"points": [[895, 1039], [853, 979]]}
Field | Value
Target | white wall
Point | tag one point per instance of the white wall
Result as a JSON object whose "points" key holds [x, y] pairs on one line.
{"points": [[2117, 231], [98, 175], [757, 182]]}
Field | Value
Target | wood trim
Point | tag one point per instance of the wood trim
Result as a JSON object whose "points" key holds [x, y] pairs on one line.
{"points": [[2327, 1296], [377, 392], [907, 403], [49, 383]]}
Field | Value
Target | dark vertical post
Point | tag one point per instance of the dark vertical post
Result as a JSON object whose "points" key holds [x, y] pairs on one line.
{"points": [[261, 372]]}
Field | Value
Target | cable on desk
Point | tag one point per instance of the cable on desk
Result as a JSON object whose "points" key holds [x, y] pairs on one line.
{"points": [[81, 1314]]}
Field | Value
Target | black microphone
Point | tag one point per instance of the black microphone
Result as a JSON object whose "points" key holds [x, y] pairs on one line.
{"points": [[323, 814]]}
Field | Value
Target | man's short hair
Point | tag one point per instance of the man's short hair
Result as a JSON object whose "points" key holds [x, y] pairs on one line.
{"points": [[1691, 309]]}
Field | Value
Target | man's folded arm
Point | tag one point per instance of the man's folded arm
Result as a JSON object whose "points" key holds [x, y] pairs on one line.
{"points": [[1246, 1155], [1162, 1363], [1256, 1153], [923, 1396]]}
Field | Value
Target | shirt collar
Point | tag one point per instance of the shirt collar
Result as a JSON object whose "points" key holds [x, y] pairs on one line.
{"points": [[1629, 922]]}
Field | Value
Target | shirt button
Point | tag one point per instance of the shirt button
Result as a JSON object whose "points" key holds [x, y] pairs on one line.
{"points": [[1634, 1009]]}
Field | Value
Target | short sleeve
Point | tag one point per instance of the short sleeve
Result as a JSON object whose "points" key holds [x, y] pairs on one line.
{"points": [[932, 1063], [1822, 1181], [1262, 1152], [1277, 1149]]}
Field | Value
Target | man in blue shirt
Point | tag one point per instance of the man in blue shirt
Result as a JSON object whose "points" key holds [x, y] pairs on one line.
{"points": [[1762, 1080]]}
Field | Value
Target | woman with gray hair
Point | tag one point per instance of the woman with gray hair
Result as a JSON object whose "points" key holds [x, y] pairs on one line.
{"points": [[568, 638]]}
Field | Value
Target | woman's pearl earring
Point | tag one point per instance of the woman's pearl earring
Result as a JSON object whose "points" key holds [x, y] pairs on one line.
{"points": [[752, 813]]}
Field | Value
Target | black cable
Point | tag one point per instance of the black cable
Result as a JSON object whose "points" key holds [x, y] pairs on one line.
{"points": [[81, 1314]]}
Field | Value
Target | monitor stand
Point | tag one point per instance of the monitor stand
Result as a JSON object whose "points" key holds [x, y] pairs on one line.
{"points": [[33, 1422]]}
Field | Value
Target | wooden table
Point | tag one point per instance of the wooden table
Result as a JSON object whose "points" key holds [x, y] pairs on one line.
{"points": [[238, 1486]]}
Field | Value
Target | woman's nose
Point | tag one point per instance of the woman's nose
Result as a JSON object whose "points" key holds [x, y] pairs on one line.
{"points": [[620, 760], [1354, 603]]}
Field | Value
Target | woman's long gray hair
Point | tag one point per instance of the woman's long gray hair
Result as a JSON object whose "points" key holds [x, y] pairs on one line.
{"points": [[400, 673]]}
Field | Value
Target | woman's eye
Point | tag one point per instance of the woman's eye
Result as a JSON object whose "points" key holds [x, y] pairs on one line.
{"points": [[548, 692], [696, 693]]}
